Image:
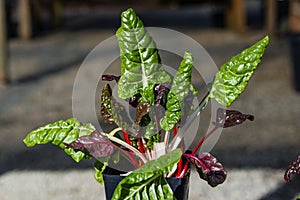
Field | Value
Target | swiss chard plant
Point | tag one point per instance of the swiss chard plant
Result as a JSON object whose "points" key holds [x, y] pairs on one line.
{"points": [[161, 104]]}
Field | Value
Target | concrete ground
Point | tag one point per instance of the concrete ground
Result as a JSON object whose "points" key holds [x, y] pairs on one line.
{"points": [[79, 184], [43, 71]]}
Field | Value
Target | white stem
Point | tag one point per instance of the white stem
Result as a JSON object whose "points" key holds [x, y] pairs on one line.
{"points": [[159, 149], [146, 149], [121, 142], [113, 132], [167, 137]]}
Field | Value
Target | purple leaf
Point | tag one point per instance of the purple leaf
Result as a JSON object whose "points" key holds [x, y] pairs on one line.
{"points": [[208, 167], [106, 104], [134, 101], [106, 77], [160, 96], [228, 118], [142, 109], [294, 168], [95, 143], [98, 146], [161, 93]]}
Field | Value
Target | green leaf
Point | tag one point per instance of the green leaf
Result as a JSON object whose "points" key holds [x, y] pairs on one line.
{"points": [[61, 133], [233, 76], [99, 169], [148, 182], [140, 61], [120, 115], [181, 87], [152, 138]]}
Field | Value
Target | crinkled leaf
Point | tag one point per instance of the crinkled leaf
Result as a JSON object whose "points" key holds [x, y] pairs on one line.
{"points": [[181, 88], [232, 78], [161, 93], [140, 61], [294, 168], [145, 123], [106, 103], [120, 115], [163, 164], [228, 118], [208, 167], [96, 144], [154, 187], [60, 133], [148, 182], [152, 139], [141, 110], [102, 149], [99, 168], [112, 111], [172, 114]]}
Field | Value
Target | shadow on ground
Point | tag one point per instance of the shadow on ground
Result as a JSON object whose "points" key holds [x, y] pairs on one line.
{"points": [[285, 191]]}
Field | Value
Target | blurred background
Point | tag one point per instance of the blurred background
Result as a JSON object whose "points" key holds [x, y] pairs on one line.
{"points": [[44, 42]]}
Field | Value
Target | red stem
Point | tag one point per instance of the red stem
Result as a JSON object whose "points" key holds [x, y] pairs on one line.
{"points": [[127, 140], [175, 130], [196, 149], [141, 145], [179, 168], [181, 175], [203, 139], [180, 163], [126, 137]]}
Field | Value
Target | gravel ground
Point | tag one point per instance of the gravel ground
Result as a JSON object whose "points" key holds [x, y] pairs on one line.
{"points": [[43, 72]]}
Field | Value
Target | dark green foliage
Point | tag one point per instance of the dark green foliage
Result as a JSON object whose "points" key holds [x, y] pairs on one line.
{"points": [[61, 133], [232, 78]]}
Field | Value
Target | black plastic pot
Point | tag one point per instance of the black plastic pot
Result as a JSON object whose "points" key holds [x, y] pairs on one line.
{"points": [[180, 186], [295, 58]]}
